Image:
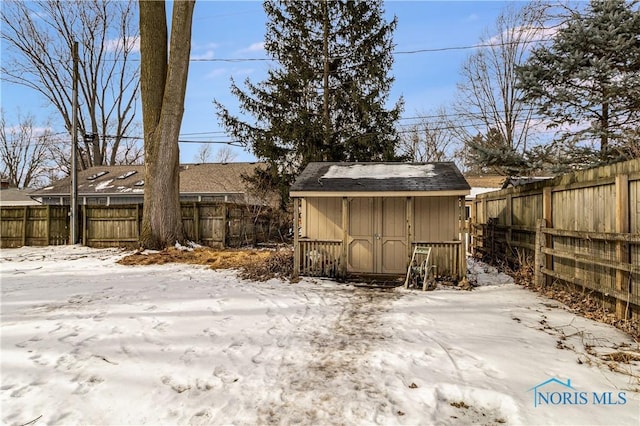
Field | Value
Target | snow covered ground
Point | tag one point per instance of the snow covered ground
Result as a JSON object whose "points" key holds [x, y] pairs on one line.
{"points": [[88, 341]]}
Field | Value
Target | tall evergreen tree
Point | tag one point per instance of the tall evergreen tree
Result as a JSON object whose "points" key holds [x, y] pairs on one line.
{"points": [[589, 76], [326, 100]]}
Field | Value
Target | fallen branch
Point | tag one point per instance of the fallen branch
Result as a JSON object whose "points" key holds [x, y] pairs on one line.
{"points": [[32, 421], [105, 359]]}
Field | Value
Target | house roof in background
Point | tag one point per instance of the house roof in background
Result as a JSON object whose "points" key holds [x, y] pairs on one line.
{"points": [[16, 197], [380, 177], [486, 181], [205, 178]]}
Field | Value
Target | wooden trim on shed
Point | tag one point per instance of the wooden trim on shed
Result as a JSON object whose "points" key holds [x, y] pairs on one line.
{"points": [[335, 194]]}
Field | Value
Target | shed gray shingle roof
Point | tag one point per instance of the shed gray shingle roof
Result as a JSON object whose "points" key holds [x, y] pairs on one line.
{"points": [[380, 177]]}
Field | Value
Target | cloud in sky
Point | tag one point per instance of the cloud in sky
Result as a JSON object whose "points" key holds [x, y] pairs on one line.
{"points": [[471, 18], [253, 48], [209, 54], [214, 74], [116, 44], [202, 46], [527, 34]]}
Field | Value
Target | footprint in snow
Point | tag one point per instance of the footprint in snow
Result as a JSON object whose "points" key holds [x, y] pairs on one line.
{"points": [[176, 386], [26, 343], [224, 375]]}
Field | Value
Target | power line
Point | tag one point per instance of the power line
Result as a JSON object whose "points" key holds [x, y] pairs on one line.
{"points": [[397, 52]]}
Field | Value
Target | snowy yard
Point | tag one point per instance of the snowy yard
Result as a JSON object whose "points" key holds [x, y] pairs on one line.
{"points": [[89, 341]]}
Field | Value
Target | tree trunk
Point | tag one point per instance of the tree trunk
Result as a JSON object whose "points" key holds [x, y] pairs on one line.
{"points": [[604, 124], [163, 84]]}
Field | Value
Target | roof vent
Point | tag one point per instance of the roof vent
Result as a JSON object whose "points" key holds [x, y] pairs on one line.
{"points": [[127, 174], [97, 175]]}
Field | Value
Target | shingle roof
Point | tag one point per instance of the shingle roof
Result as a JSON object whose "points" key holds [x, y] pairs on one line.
{"points": [[380, 177], [16, 197], [206, 178]]}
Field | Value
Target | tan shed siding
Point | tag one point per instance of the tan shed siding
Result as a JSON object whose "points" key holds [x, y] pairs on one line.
{"points": [[323, 219], [435, 219]]}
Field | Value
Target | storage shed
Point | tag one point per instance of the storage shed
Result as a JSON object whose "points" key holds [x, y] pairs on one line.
{"points": [[367, 218]]}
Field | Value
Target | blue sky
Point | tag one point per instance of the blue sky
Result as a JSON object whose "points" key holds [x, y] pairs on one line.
{"points": [[235, 29]]}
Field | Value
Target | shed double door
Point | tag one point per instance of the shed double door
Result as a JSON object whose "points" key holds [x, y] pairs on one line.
{"points": [[377, 235]]}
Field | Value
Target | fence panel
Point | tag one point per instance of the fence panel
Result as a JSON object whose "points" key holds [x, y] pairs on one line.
{"points": [[12, 230], [595, 215], [210, 224], [33, 226], [109, 226]]}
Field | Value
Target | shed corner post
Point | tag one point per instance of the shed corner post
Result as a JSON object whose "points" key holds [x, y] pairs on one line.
{"points": [[296, 241], [345, 237]]}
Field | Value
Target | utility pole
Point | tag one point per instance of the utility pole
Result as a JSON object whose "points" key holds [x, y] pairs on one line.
{"points": [[74, 148]]}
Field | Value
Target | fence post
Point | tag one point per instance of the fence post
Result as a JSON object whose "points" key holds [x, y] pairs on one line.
{"points": [[472, 227], [540, 260], [225, 218], [24, 225], [622, 250], [85, 226], [47, 225], [547, 216], [196, 223], [138, 222], [509, 222]]}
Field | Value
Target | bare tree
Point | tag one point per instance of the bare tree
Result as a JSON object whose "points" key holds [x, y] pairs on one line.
{"points": [[39, 37], [163, 79], [130, 152], [204, 153], [23, 152], [225, 154], [429, 139], [488, 94]]}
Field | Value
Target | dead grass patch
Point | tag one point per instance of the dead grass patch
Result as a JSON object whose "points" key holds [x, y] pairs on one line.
{"points": [[254, 264], [623, 357]]}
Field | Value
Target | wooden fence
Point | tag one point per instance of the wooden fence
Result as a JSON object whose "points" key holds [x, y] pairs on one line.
{"points": [[581, 228], [34, 226], [209, 224]]}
